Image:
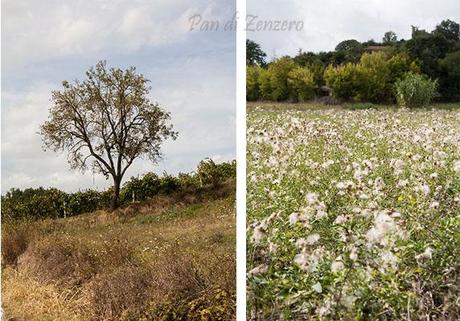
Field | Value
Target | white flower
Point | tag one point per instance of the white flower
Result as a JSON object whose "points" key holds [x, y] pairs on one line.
{"points": [[354, 254], [434, 205], [397, 165], [293, 218], [427, 254], [312, 239], [263, 268], [424, 188], [403, 183], [348, 300], [341, 185], [302, 261], [259, 234], [383, 225], [374, 235], [457, 167], [317, 287], [337, 265], [340, 219], [312, 198], [389, 259]]}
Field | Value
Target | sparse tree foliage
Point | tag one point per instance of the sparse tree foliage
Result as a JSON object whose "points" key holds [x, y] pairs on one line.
{"points": [[106, 122]]}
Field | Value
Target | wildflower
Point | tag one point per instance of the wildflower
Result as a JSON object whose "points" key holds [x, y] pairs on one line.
{"points": [[423, 188], [388, 259], [302, 261], [312, 239], [260, 269], [325, 309], [397, 165], [312, 198], [354, 254], [337, 265], [434, 205], [457, 167], [317, 287], [340, 219], [426, 255], [259, 234], [341, 185], [293, 218]]}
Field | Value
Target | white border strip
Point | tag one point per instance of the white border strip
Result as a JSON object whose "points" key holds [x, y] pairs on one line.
{"points": [[241, 161]]}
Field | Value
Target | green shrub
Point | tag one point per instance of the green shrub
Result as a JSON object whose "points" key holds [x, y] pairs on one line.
{"points": [[372, 79], [343, 80], [252, 82], [265, 87], [210, 173], [278, 73], [415, 90], [33, 203], [82, 202], [301, 82]]}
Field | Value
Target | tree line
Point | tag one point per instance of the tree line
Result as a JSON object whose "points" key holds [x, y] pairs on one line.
{"points": [[388, 71], [38, 203]]}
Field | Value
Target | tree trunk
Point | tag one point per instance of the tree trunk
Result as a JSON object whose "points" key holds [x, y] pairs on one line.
{"points": [[116, 193]]}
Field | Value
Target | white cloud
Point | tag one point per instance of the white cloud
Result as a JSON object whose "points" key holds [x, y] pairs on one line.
{"points": [[39, 30], [327, 22]]}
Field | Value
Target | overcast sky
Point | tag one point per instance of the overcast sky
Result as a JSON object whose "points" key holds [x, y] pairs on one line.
{"points": [[192, 74], [327, 22]]}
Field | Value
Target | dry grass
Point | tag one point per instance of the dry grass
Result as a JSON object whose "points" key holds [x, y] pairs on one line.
{"points": [[26, 299], [152, 262], [14, 242]]}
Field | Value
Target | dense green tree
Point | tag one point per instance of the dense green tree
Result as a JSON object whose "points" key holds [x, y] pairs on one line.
{"points": [[348, 51], [431, 48], [450, 69], [254, 54], [389, 38]]}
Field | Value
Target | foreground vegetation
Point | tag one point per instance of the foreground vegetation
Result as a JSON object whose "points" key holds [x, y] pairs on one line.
{"points": [[353, 214], [171, 257]]}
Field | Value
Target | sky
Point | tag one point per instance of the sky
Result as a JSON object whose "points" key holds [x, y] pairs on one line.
{"points": [[327, 22], [192, 75]]}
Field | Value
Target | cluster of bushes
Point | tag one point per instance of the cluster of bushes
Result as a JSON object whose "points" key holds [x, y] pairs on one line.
{"points": [[283, 79], [369, 72], [33, 203], [372, 78]]}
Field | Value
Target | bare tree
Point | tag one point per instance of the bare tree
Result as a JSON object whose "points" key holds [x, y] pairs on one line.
{"points": [[106, 121]]}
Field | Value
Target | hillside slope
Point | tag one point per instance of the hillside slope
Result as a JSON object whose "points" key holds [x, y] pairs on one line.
{"points": [[165, 260]]}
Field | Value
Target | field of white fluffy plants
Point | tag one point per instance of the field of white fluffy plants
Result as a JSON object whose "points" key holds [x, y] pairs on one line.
{"points": [[353, 215]]}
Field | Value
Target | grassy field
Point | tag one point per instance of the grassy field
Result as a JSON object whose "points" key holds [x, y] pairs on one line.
{"points": [[353, 214], [168, 259]]}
